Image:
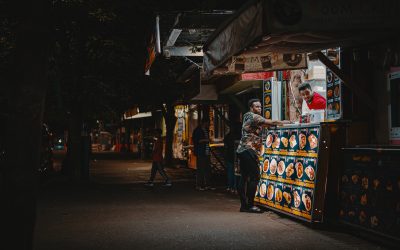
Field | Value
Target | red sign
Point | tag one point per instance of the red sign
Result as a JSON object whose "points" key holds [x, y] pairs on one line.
{"points": [[257, 76]]}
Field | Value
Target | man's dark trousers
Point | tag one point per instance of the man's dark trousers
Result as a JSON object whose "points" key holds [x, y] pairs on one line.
{"points": [[250, 176]]}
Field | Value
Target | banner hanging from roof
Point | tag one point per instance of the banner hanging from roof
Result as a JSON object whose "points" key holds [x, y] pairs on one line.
{"points": [[266, 62], [151, 53], [300, 26]]}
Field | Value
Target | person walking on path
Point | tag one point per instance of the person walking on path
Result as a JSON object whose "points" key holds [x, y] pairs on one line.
{"points": [[202, 151], [157, 161], [249, 153]]}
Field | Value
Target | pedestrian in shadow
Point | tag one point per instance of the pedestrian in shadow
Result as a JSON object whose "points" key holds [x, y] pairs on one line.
{"points": [[158, 161], [202, 151]]}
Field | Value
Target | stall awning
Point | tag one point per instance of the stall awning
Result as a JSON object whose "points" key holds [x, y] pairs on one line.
{"points": [[300, 26]]}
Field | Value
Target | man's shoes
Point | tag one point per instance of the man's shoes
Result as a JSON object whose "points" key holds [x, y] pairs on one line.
{"points": [[149, 184], [255, 209], [200, 189], [252, 209], [210, 188], [167, 184]]}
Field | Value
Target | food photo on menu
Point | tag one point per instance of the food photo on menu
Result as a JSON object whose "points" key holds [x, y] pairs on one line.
{"points": [[263, 189], [290, 170], [293, 140], [276, 144], [281, 166], [297, 193], [278, 193], [303, 139], [273, 165], [284, 139], [299, 168], [287, 195], [270, 190], [312, 138], [306, 199], [262, 150], [269, 140], [309, 169], [265, 165]]}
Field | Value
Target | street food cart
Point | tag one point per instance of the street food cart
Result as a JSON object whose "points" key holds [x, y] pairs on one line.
{"points": [[303, 165]]}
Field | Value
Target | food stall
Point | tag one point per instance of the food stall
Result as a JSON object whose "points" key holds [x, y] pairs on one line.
{"points": [[296, 160], [302, 164]]}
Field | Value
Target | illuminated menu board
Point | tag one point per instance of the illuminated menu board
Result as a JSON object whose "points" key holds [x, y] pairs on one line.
{"points": [[288, 170], [267, 98], [333, 88]]}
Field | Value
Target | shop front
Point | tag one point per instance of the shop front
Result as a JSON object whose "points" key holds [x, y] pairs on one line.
{"points": [[323, 167]]}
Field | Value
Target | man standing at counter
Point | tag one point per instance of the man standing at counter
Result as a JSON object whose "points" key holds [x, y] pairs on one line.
{"points": [[313, 99], [249, 152]]}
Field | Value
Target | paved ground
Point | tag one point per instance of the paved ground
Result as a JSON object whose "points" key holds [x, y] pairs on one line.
{"points": [[115, 211]]}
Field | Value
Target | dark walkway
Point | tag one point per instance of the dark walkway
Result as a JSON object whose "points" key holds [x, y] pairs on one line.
{"points": [[115, 211]]}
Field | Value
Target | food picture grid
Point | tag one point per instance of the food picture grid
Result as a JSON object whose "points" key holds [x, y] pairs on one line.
{"points": [[293, 141], [290, 168], [288, 173]]}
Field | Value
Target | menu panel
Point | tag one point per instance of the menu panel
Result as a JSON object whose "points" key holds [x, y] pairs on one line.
{"points": [[370, 191], [267, 99], [289, 169], [333, 88]]}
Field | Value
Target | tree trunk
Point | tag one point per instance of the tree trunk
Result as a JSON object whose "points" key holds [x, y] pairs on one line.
{"points": [[26, 98], [170, 121], [75, 154]]}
